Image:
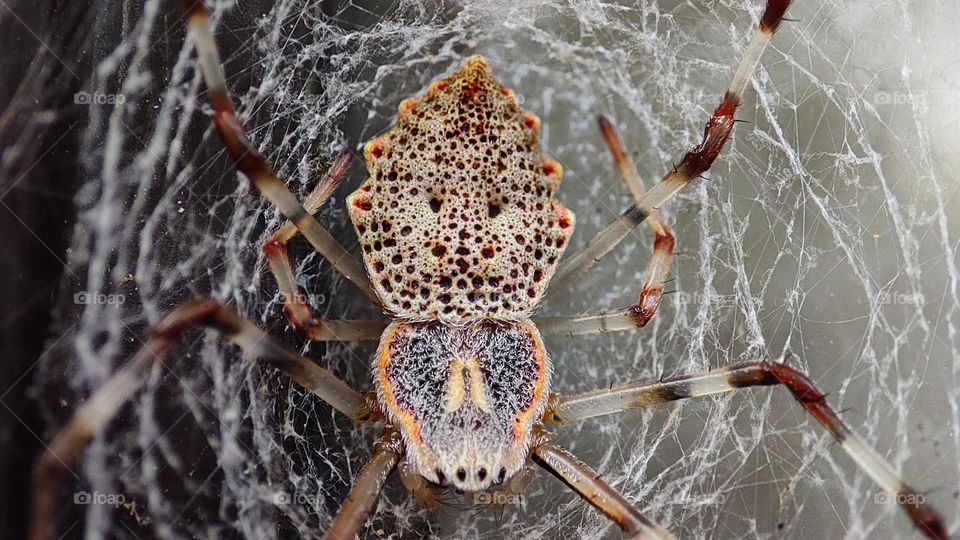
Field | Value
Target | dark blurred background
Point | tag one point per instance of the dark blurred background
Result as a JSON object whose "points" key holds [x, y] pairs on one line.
{"points": [[46, 52]]}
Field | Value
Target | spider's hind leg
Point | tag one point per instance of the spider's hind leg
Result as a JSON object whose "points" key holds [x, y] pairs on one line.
{"points": [[639, 314], [652, 291], [252, 164], [694, 163], [294, 302]]}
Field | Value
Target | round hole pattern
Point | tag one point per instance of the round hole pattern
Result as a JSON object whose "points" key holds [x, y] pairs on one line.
{"points": [[457, 219]]}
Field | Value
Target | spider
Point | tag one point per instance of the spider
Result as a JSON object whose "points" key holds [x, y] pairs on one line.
{"points": [[461, 234]]}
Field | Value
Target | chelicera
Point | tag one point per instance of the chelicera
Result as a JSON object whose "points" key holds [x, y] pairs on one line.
{"points": [[461, 234]]}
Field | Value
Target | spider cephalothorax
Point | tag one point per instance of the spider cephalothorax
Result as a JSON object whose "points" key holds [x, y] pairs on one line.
{"points": [[464, 398], [457, 219]]}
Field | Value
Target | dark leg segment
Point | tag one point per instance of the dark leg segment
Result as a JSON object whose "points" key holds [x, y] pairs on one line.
{"points": [[639, 314], [94, 415], [294, 303], [694, 163], [607, 401], [358, 504], [579, 477], [663, 243], [252, 164]]}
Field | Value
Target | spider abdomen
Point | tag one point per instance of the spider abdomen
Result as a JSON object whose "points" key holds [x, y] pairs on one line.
{"points": [[457, 219]]}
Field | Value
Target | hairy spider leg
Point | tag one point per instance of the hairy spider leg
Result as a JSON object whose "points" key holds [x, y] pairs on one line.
{"points": [[639, 314], [579, 477], [694, 163], [253, 165], [294, 303], [387, 452], [94, 415], [572, 408]]}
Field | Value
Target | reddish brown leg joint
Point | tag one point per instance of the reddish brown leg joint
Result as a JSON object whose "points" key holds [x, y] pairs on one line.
{"points": [[652, 292], [294, 304], [814, 401], [716, 133], [773, 15]]}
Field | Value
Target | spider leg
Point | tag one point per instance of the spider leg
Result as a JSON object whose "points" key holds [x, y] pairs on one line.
{"points": [[426, 494], [358, 504], [579, 477], [94, 415], [663, 242], [694, 163], [253, 165], [294, 303], [637, 315], [576, 407]]}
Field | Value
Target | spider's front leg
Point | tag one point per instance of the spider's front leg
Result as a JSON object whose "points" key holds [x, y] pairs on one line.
{"points": [[579, 477], [94, 415], [357, 506], [564, 409], [294, 303]]}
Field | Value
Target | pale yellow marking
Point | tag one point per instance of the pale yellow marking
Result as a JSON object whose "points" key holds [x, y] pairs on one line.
{"points": [[478, 391], [455, 390]]}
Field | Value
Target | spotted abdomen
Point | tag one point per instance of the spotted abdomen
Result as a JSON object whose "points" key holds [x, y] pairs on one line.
{"points": [[464, 399], [457, 219]]}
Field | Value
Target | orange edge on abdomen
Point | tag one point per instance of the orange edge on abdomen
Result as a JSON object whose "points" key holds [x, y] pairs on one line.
{"points": [[407, 420], [541, 360]]}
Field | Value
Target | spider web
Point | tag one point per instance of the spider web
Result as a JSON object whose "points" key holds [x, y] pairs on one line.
{"points": [[825, 236]]}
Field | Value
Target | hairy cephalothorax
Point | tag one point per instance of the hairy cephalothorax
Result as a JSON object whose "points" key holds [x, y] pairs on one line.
{"points": [[461, 234], [465, 399]]}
